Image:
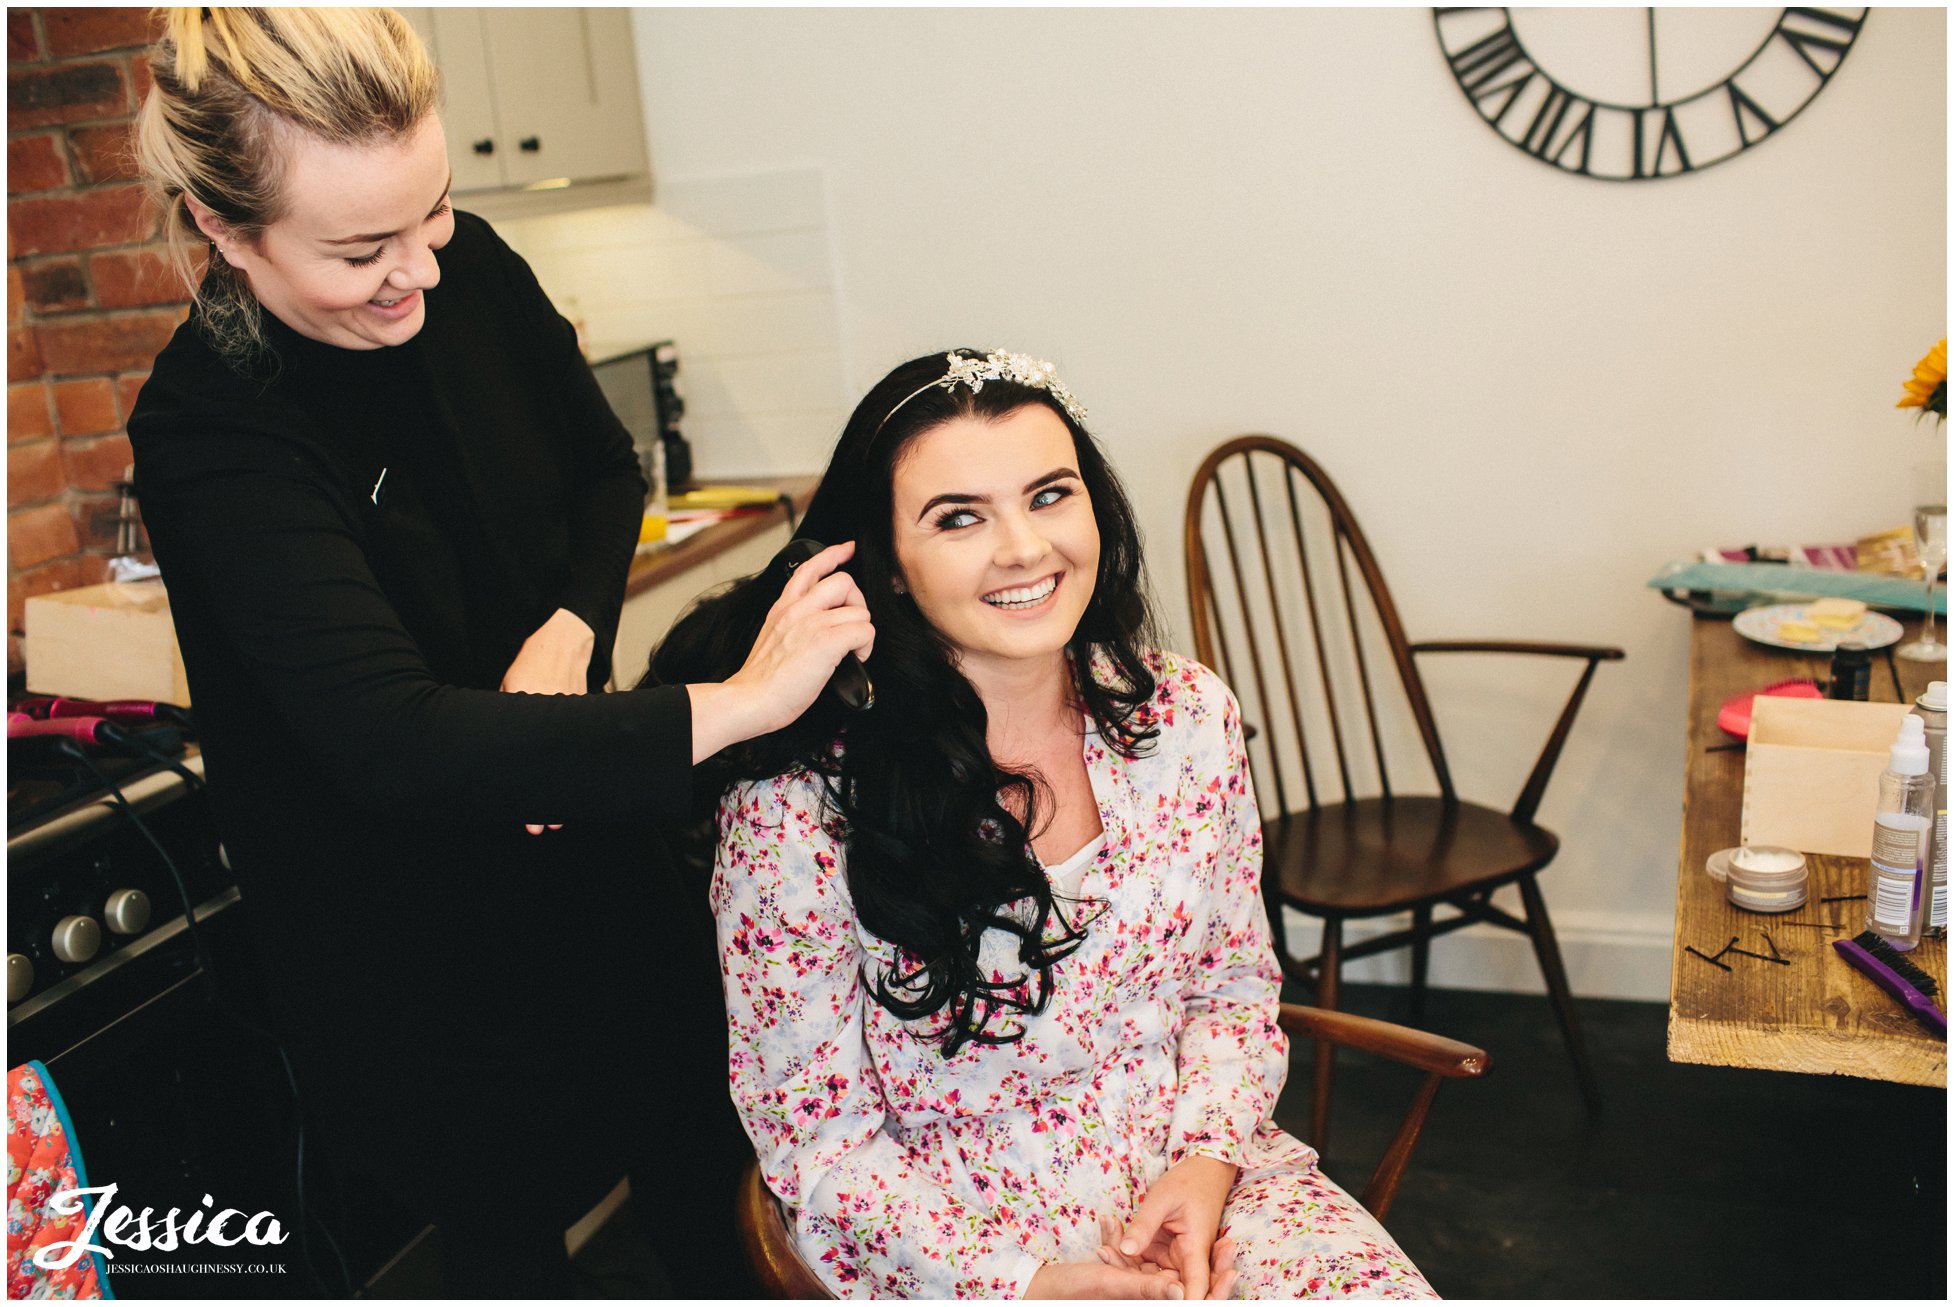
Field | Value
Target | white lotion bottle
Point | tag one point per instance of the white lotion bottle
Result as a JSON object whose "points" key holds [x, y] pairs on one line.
{"points": [[1897, 893], [1931, 708]]}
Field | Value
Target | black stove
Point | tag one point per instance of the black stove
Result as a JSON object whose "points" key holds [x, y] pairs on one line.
{"points": [[88, 893], [46, 786], [150, 1022]]}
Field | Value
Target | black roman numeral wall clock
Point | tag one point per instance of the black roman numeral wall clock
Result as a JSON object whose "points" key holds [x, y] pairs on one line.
{"points": [[1642, 94]]}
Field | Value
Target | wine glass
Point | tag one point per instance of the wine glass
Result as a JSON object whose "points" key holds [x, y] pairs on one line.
{"points": [[1930, 542]]}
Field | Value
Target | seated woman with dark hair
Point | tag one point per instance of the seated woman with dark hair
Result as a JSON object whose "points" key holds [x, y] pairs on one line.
{"points": [[999, 979]]}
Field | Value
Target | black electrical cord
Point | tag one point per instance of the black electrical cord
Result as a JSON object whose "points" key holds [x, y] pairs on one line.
{"points": [[213, 988], [135, 741], [120, 803]]}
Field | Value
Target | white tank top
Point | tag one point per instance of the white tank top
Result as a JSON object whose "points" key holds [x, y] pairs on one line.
{"points": [[1067, 875]]}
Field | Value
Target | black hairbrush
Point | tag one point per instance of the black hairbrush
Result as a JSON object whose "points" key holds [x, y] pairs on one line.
{"points": [[849, 683]]}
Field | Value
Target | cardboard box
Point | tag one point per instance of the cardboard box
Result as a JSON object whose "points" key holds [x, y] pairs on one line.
{"points": [[1811, 772], [111, 641]]}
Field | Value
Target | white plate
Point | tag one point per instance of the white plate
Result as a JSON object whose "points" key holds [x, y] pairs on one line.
{"points": [[1875, 630]]}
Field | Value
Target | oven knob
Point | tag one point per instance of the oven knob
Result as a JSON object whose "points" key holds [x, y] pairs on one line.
{"points": [[76, 938], [20, 977], [127, 912]]}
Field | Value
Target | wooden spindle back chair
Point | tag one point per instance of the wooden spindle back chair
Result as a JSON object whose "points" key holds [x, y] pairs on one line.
{"points": [[1291, 608]]}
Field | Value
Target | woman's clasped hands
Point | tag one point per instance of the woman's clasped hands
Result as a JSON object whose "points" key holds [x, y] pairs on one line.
{"points": [[818, 620], [1167, 1250]]}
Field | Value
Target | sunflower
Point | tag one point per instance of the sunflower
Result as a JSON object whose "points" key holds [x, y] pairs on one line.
{"points": [[1927, 389]]}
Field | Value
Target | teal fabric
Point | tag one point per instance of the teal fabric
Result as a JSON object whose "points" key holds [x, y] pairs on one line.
{"points": [[1782, 578], [81, 1171]]}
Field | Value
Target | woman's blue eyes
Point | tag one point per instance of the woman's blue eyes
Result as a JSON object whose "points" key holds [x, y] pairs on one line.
{"points": [[954, 519], [368, 260]]}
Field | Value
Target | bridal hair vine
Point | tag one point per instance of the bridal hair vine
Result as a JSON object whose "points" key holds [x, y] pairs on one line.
{"points": [[998, 365]]}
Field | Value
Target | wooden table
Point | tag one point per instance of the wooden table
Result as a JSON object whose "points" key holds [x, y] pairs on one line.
{"points": [[1817, 1015]]}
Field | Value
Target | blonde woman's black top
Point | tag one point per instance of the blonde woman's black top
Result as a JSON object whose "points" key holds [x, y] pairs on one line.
{"points": [[356, 543]]}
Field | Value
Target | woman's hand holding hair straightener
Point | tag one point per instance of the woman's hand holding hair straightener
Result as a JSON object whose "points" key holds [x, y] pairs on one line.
{"points": [[818, 620]]}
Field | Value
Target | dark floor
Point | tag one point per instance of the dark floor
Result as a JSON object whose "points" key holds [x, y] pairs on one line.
{"points": [[1695, 1182]]}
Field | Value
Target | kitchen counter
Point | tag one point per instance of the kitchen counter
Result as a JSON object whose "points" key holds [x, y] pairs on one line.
{"points": [[664, 581], [657, 566]]}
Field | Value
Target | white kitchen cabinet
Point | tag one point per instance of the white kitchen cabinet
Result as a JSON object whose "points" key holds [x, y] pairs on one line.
{"points": [[536, 95]]}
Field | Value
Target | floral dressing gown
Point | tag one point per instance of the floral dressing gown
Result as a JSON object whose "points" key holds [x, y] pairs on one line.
{"points": [[43, 1160], [910, 1175]]}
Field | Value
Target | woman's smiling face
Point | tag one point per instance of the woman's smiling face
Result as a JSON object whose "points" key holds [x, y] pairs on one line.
{"points": [[995, 537], [350, 258]]}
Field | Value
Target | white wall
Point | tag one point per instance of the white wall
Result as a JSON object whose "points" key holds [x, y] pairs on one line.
{"points": [[1534, 389], [740, 272]]}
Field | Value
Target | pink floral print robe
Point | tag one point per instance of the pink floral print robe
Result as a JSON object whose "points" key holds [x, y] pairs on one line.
{"points": [[43, 1160], [910, 1175]]}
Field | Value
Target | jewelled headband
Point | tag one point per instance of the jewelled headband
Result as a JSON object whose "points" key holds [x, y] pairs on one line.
{"points": [[997, 365]]}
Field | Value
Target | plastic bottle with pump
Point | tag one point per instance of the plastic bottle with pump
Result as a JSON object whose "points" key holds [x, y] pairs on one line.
{"points": [[1897, 891], [1931, 708]]}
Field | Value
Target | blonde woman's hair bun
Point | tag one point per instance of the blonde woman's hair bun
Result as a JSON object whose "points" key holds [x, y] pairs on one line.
{"points": [[183, 31]]}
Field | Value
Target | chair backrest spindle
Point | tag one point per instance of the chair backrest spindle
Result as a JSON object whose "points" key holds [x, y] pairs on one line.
{"points": [[1210, 610], [1254, 645], [1282, 637], [1357, 652], [1316, 634]]}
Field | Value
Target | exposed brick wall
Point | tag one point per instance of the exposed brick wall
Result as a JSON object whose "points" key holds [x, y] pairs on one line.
{"points": [[89, 299]]}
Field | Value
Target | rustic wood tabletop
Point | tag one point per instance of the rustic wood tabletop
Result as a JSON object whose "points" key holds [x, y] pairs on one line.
{"points": [[1818, 1014]]}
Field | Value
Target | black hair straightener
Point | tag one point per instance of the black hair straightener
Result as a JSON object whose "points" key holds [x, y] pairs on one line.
{"points": [[850, 683]]}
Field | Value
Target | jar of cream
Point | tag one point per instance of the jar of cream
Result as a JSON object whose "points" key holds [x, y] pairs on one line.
{"points": [[1761, 878]]}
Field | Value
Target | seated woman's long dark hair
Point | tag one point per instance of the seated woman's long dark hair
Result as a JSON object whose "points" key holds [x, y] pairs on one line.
{"points": [[936, 858]]}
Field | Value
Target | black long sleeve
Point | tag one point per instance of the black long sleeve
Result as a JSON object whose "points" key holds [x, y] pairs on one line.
{"points": [[252, 545], [607, 503]]}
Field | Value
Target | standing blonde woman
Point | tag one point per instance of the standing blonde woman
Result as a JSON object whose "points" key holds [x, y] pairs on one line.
{"points": [[394, 514]]}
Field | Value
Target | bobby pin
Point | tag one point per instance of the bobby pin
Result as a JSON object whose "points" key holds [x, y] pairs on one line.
{"points": [[1817, 925], [1720, 952], [1771, 944], [1706, 957], [1844, 898], [1759, 956]]}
